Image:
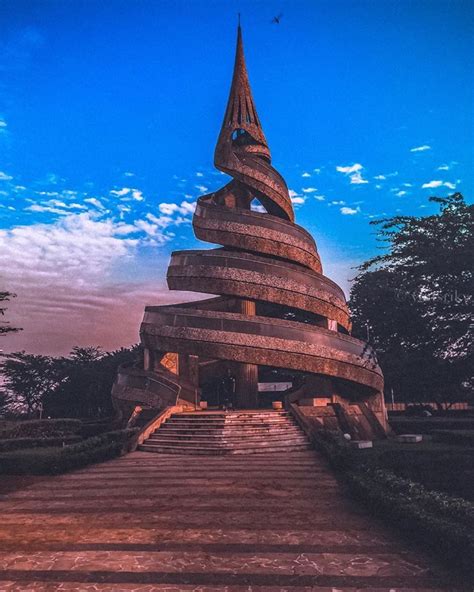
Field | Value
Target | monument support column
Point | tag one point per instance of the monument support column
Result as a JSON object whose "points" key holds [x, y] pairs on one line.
{"points": [[246, 379]]}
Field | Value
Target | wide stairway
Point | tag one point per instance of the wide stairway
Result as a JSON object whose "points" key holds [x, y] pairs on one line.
{"points": [[227, 432]]}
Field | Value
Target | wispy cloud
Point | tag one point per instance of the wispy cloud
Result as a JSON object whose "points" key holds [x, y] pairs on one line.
{"points": [[309, 189], [420, 148], [95, 202], [202, 188], [346, 211], [400, 193], [296, 199], [357, 179], [438, 183], [354, 172], [443, 167], [185, 208], [380, 177], [305, 174], [5, 177], [347, 170]]}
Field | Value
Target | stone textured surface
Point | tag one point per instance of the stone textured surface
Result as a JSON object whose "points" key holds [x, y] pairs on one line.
{"points": [[267, 262], [149, 523]]}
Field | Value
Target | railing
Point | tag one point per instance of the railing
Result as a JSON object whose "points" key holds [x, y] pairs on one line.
{"points": [[151, 427]]}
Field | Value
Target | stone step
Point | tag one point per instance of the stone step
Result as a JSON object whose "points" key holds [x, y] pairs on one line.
{"points": [[213, 422], [224, 442], [227, 430], [247, 413], [235, 432], [226, 435], [212, 451]]}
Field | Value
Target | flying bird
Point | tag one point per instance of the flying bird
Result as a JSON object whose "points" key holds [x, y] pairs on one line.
{"points": [[276, 19]]}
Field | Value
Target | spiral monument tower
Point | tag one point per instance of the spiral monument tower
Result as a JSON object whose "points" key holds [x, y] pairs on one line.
{"points": [[274, 312]]}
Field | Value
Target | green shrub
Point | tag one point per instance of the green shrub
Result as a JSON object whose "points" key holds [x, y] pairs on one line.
{"points": [[22, 443], [443, 522], [40, 428], [426, 425], [49, 461], [457, 437]]}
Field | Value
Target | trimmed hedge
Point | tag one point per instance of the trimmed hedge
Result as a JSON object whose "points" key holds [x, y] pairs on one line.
{"points": [[426, 425], [40, 428], [22, 443], [442, 522], [457, 437], [51, 461]]}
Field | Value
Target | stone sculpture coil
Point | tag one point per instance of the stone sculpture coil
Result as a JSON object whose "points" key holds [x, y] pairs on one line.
{"points": [[264, 259]]}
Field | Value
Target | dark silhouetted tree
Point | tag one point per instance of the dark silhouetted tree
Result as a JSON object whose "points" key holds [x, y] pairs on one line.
{"points": [[416, 301], [5, 327]]}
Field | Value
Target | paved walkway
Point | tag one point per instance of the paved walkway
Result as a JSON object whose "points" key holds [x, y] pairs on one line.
{"points": [[154, 523]]}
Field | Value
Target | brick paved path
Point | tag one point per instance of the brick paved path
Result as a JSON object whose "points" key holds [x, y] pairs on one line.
{"points": [[154, 523]]}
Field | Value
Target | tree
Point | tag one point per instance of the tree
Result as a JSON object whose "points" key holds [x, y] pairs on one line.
{"points": [[78, 385], [86, 391], [415, 302], [27, 378], [4, 326]]}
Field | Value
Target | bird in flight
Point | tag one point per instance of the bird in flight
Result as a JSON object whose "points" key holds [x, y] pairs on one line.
{"points": [[276, 19]]}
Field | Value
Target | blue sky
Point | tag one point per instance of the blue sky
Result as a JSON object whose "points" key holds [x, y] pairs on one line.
{"points": [[109, 114]]}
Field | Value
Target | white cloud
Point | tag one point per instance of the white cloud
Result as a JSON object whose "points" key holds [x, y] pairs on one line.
{"points": [[357, 179], [400, 193], [199, 174], [319, 197], [449, 185], [431, 184], [137, 195], [354, 172], [380, 177], [317, 171], [346, 211], [202, 188], [3, 123], [443, 167], [298, 200], [129, 174], [5, 177], [420, 148], [121, 192], [438, 183], [95, 202], [309, 189], [349, 169], [337, 203], [184, 209], [306, 175], [292, 193], [47, 209]]}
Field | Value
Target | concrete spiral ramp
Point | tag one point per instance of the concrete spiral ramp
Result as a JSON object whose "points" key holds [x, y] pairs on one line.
{"points": [[274, 307]]}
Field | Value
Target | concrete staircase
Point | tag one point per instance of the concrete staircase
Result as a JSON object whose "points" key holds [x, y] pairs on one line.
{"points": [[227, 432]]}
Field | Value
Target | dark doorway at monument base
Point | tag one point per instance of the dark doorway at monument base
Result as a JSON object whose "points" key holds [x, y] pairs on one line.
{"points": [[278, 330]]}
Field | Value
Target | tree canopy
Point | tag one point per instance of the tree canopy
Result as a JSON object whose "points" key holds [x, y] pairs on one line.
{"points": [[4, 326], [78, 385], [415, 302]]}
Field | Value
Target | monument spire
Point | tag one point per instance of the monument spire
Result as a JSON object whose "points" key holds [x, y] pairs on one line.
{"points": [[241, 114]]}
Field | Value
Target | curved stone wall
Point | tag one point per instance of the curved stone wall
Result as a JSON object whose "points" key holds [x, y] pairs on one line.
{"points": [[263, 257]]}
